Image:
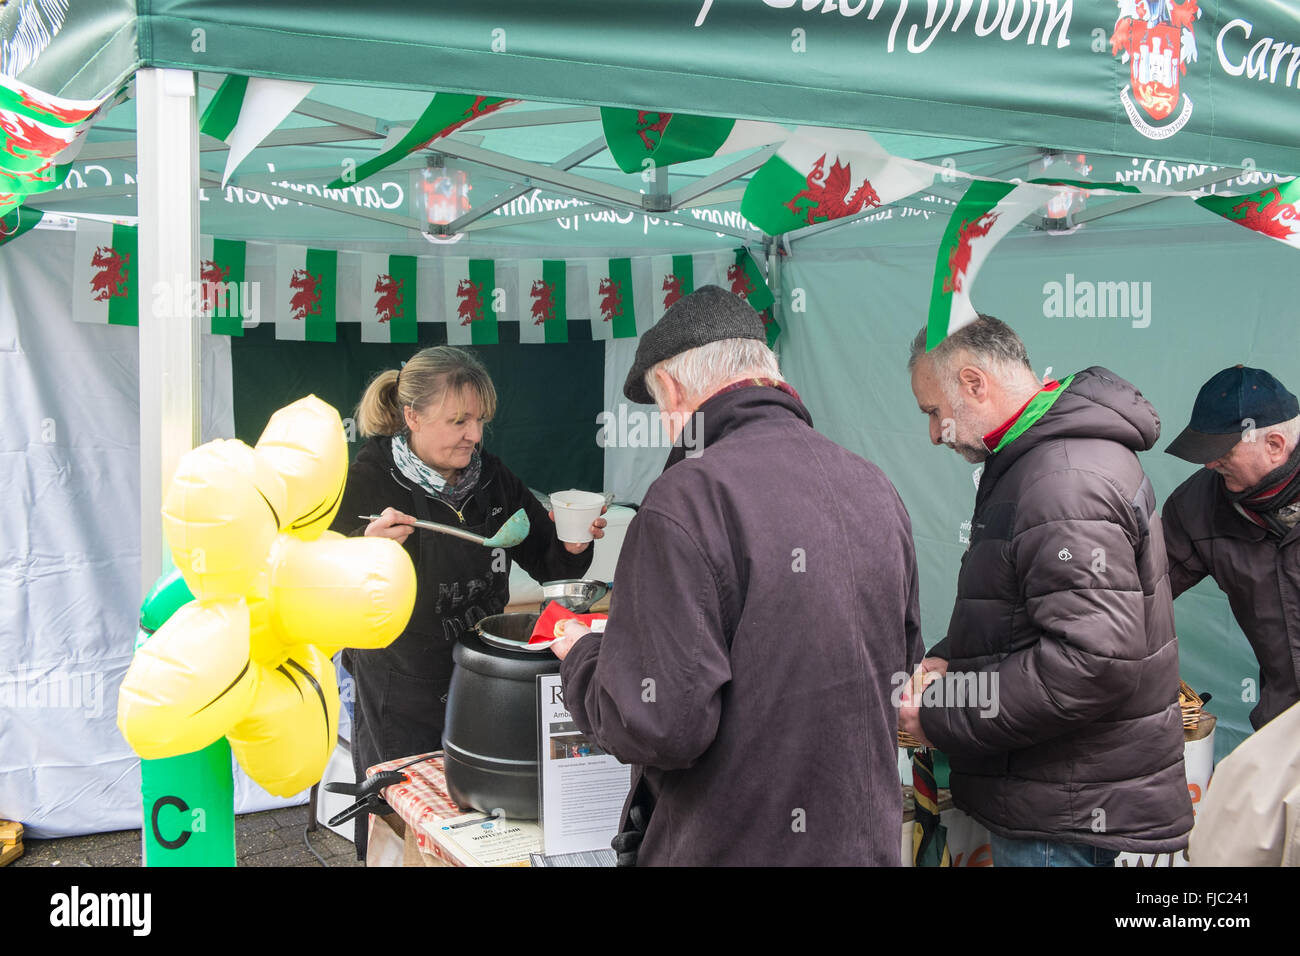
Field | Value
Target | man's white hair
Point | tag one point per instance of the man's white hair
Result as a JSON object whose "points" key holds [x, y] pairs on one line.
{"points": [[1289, 430], [704, 370]]}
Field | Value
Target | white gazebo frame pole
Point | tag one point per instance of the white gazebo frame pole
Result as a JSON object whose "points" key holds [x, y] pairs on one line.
{"points": [[167, 150]]}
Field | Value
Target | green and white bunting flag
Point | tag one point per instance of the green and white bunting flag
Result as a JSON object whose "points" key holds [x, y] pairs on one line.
{"points": [[470, 299], [745, 279], [613, 300], [819, 175], [18, 221], [542, 301], [446, 113], [105, 275], [387, 302], [987, 212], [247, 109], [1272, 212], [635, 136], [306, 294], [228, 303]]}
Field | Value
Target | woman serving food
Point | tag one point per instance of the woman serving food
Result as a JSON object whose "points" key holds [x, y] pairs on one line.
{"points": [[423, 461]]}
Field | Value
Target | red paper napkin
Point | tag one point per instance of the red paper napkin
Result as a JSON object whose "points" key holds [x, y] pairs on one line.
{"points": [[544, 629]]}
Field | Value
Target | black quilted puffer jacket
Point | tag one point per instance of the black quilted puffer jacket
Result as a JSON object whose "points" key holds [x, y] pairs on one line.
{"points": [[1064, 597]]}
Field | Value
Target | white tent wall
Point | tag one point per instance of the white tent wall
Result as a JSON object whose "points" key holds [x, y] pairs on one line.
{"points": [[1213, 296], [70, 546]]}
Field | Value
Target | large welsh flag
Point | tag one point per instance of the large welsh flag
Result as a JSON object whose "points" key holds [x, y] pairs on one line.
{"points": [[470, 295], [306, 294], [105, 275], [819, 175], [643, 139], [40, 135], [542, 301]]}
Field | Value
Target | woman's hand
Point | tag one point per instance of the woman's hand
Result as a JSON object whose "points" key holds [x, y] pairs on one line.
{"points": [[391, 524], [597, 530]]}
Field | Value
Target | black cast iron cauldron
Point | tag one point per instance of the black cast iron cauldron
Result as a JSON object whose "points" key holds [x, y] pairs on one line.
{"points": [[491, 732]]}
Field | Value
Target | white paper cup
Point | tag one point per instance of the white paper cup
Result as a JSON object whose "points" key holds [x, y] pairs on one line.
{"points": [[574, 512]]}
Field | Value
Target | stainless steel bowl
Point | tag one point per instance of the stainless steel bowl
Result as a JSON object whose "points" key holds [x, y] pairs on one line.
{"points": [[574, 594]]}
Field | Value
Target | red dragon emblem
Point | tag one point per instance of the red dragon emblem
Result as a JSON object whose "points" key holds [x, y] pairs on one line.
{"points": [[644, 127], [543, 296], [211, 276], [672, 289], [29, 141], [959, 258], [611, 303], [63, 114], [306, 298], [111, 276], [471, 301], [825, 193], [740, 281], [390, 302], [1155, 38], [1274, 220]]}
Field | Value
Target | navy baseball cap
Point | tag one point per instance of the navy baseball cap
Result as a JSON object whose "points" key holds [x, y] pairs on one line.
{"points": [[1227, 407]]}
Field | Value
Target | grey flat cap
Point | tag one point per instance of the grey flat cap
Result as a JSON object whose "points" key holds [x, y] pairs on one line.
{"points": [[709, 314]]}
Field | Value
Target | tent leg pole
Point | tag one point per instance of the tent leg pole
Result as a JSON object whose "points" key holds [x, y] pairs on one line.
{"points": [[168, 162]]}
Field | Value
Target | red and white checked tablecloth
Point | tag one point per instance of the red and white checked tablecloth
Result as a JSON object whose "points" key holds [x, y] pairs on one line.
{"points": [[423, 797]]}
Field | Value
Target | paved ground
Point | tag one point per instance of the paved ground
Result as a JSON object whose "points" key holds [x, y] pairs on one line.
{"points": [[269, 838]]}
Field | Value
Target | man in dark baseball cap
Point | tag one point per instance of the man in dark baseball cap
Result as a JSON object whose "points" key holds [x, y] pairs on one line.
{"points": [[721, 629], [1238, 519]]}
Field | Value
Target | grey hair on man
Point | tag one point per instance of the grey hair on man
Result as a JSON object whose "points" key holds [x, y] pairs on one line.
{"points": [[701, 371], [987, 343]]}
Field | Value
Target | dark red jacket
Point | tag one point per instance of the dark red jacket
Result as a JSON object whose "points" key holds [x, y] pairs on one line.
{"points": [[766, 600]]}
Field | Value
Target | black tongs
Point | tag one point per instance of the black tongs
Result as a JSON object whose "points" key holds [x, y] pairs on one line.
{"points": [[367, 794]]}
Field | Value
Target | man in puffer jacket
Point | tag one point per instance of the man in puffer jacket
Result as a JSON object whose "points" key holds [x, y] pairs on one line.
{"points": [[1055, 693]]}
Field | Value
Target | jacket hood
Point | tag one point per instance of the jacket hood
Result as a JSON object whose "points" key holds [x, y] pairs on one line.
{"points": [[1098, 404]]}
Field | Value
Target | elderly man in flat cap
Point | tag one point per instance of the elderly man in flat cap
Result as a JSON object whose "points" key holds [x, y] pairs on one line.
{"points": [[1237, 520], [765, 615]]}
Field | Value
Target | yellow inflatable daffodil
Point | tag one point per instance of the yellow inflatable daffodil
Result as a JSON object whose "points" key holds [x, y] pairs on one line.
{"points": [[276, 595]]}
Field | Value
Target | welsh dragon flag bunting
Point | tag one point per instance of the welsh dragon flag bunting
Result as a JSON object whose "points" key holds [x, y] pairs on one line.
{"points": [[306, 292], [819, 175], [745, 279], [245, 110], [105, 275], [613, 299], [672, 277], [470, 293], [229, 304], [40, 135], [987, 212], [13, 224], [387, 300], [446, 113], [543, 301], [1272, 212], [634, 136]]}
